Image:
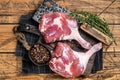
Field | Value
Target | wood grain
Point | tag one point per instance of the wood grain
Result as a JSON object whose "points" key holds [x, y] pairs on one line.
{"points": [[13, 8], [10, 13], [10, 65], [10, 69], [8, 36]]}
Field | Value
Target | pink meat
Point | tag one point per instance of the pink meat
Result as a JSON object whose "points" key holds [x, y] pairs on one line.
{"points": [[58, 26], [69, 63]]}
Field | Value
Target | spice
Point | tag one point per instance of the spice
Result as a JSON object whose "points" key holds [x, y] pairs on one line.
{"points": [[94, 21], [39, 54]]}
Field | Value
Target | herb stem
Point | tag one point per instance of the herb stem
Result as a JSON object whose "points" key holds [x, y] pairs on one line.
{"points": [[94, 21]]}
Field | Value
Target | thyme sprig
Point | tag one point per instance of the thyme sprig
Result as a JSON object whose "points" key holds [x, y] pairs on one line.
{"points": [[94, 21]]}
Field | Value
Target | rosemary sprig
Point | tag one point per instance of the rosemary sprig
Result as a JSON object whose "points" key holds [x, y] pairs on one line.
{"points": [[94, 21]]}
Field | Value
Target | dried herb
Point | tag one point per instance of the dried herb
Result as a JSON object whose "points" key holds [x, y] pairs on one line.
{"points": [[94, 21]]}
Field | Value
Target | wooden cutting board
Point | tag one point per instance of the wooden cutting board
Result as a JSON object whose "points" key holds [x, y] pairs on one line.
{"points": [[96, 34]]}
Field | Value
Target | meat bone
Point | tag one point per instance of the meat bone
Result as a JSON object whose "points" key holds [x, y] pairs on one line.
{"points": [[32, 29], [53, 7], [39, 53]]}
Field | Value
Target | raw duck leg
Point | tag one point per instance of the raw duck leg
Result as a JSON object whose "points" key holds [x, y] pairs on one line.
{"points": [[59, 26], [69, 63]]}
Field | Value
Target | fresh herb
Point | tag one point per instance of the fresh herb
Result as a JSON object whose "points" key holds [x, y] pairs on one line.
{"points": [[94, 21]]}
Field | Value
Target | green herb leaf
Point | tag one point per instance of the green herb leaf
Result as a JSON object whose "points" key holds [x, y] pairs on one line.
{"points": [[94, 21]]}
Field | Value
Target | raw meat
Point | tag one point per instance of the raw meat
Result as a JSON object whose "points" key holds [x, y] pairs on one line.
{"points": [[69, 63], [59, 26]]}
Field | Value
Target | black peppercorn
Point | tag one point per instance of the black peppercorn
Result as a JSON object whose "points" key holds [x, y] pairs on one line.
{"points": [[39, 54]]}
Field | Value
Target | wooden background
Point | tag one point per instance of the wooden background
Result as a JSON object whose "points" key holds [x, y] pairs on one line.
{"points": [[10, 12]]}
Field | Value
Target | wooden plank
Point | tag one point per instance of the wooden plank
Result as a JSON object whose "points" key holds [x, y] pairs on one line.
{"points": [[9, 65], [107, 76], [10, 69], [113, 74], [94, 5], [6, 34], [15, 8], [116, 32], [109, 18], [111, 60], [10, 12], [8, 40], [45, 77], [9, 19], [26, 5]]}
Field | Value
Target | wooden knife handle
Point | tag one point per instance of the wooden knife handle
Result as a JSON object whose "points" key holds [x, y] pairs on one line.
{"points": [[96, 34]]}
